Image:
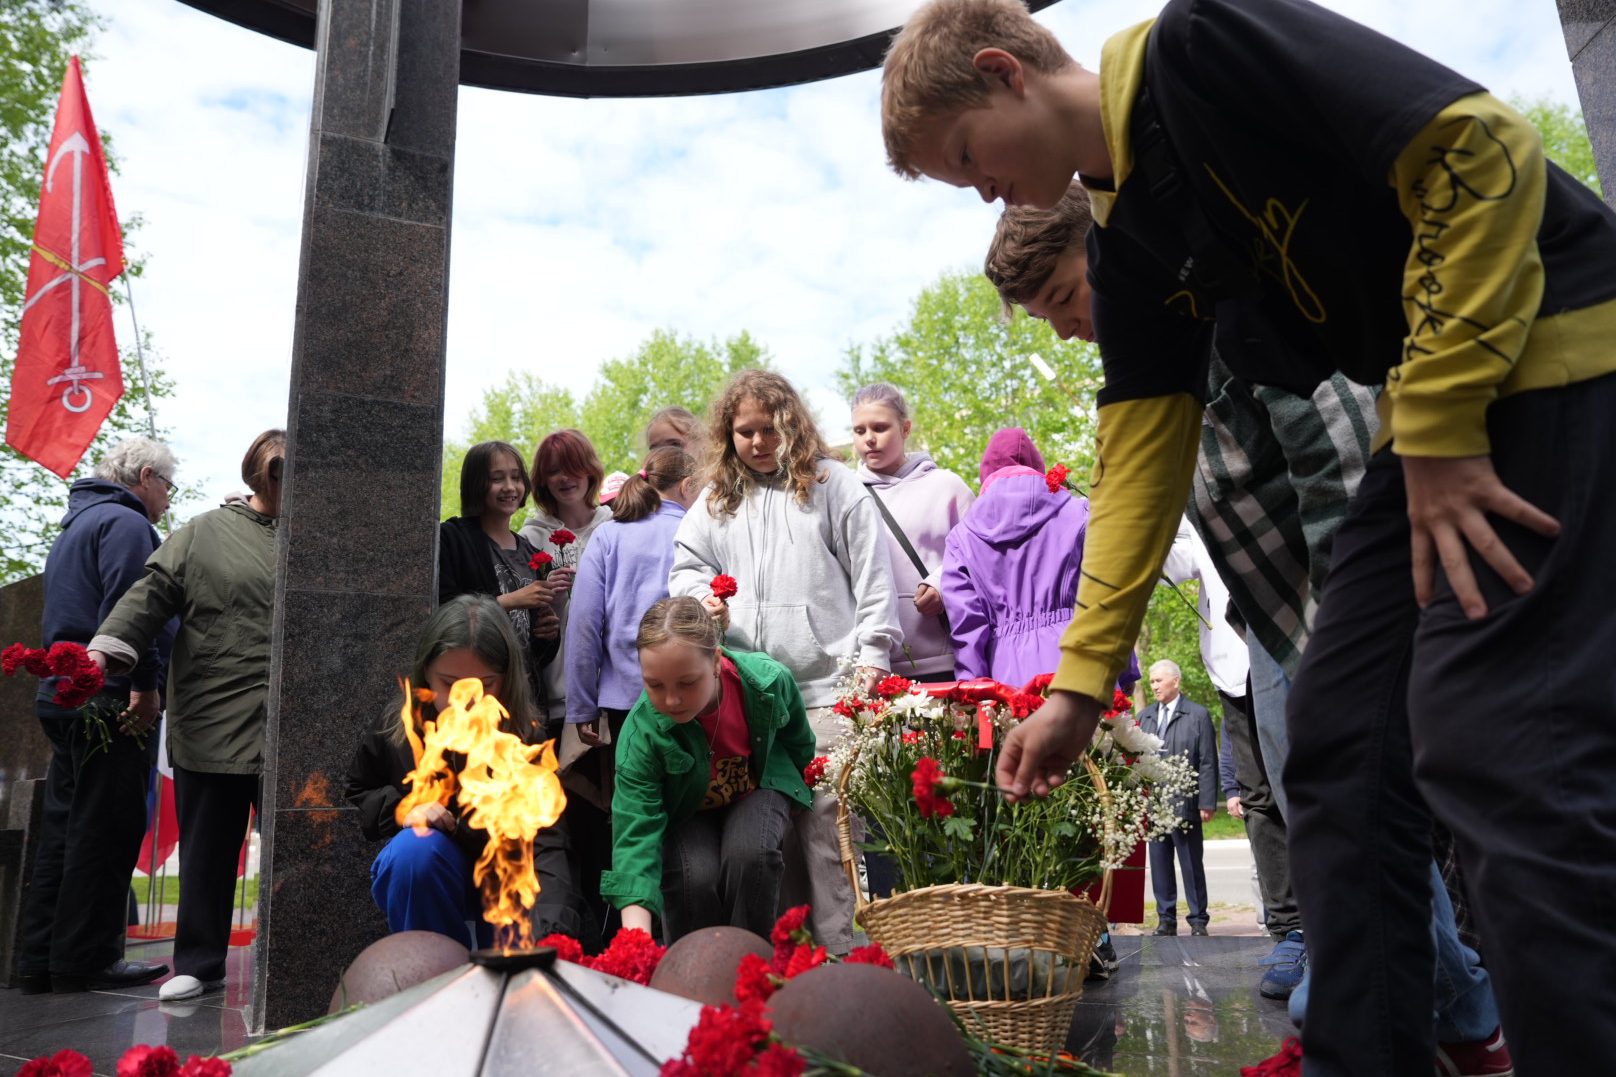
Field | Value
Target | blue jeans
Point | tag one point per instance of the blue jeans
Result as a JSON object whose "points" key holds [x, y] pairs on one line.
{"points": [[1270, 688], [423, 883]]}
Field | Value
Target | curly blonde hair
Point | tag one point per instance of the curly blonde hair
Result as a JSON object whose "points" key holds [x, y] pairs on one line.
{"points": [[801, 446], [930, 71]]}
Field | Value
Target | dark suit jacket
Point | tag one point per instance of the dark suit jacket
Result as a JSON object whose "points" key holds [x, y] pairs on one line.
{"points": [[1191, 735]]}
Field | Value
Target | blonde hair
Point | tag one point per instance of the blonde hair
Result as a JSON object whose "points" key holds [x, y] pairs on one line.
{"points": [[1029, 242], [930, 69], [681, 618], [681, 419], [801, 446]]}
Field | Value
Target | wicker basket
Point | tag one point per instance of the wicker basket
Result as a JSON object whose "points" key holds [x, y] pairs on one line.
{"points": [[1010, 961]]}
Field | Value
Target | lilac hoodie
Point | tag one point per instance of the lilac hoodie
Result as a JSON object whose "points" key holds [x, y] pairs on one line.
{"points": [[1010, 573], [927, 502]]}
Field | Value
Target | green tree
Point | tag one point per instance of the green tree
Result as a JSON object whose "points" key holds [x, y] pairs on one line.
{"points": [[1172, 630], [966, 371], [521, 411], [36, 39], [667, 370], [1565, 138]]}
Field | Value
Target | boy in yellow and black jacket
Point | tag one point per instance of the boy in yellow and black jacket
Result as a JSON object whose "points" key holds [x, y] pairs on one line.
{"points": [[1313, 197]]}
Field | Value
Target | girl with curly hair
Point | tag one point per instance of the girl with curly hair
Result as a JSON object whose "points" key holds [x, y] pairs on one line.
{"points": [[803, 540]]}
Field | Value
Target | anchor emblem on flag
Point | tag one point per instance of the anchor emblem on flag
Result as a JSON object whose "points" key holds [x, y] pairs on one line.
{"points": [[67, 377]]}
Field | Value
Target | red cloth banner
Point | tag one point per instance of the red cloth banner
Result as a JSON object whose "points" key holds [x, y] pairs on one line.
{"points": [[67, 377]]}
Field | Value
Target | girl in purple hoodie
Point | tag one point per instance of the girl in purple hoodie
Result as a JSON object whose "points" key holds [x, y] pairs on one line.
{"points": [[1010, 567]]}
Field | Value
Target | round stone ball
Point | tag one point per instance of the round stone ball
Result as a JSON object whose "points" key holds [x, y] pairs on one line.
{"points": [[395, 962], [873, 1018], [701, 966]]}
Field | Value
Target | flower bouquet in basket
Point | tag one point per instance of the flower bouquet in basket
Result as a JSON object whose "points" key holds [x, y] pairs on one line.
{"points": [[986, 915]]}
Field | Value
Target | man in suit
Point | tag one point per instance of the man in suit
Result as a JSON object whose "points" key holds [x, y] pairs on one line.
{"points": [[1185, 728]]}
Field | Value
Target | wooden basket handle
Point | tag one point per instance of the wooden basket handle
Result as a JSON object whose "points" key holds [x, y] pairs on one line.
{"points": [[844, 834]]}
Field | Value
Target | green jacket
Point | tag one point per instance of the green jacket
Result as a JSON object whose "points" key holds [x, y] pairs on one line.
{"points": [[663, 769], [217, 574]]}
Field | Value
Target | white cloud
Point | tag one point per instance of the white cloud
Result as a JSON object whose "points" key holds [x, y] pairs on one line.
{"points": [[580, 226]]}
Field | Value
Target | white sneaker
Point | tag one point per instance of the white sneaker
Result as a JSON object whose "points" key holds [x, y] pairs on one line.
{"points": [[183, 987]]}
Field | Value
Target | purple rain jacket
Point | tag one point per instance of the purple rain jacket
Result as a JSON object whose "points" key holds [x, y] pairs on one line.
{"points": [[1010, 571]]}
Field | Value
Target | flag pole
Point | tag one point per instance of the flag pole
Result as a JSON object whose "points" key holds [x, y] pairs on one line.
{"points": [[140, 360]]}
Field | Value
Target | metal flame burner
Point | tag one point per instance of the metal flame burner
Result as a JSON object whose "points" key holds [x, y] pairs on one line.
{"points": [[522, 1012]]}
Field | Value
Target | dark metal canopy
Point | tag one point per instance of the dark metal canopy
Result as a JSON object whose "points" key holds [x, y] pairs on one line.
{"points": [[637, 48]]}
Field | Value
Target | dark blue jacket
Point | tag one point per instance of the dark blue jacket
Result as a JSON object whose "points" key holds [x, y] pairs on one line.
{"points": [[99, 555]]}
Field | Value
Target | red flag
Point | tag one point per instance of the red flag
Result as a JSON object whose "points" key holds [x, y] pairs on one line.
{"points": [[67, 377]]}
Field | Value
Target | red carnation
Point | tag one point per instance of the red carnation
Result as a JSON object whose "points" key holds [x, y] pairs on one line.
{"points": [[632, 955], [911, 736], [37, 661], [541, 563], [144, 1060], [869, 955], [725, 587], [561, 537], [725, 1040], [893, 686], [1055, 477], [814, 772], [778, 1060], [196, 1066], [565, 946], [790, 926], [754, 979], [805, 958], [1120, 704], [928, 776], [1024, 703], [60, 1064], [11, 658]]}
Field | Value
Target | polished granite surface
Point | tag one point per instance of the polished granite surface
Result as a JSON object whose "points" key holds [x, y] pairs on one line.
{"points": [[1180, 1007]]}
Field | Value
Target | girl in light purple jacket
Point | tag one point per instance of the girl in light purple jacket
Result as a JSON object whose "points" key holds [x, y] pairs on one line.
{"points": [[1010, 567]]}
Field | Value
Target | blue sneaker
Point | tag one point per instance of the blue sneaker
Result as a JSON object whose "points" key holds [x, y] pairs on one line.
{"points": [[1296, 1009], [1285, 963]]}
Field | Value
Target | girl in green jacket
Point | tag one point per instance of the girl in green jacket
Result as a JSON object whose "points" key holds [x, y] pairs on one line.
{"points": [[709, 767]]}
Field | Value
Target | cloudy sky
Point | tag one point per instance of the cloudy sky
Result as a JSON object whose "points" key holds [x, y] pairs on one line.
{"points": [[581, 226]]}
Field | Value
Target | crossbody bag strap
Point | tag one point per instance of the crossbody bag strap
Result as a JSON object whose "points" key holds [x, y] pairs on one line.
{"points": [[908, 547]]}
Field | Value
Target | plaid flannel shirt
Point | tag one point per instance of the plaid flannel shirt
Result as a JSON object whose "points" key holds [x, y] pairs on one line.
{"points": [[1272, 482]]}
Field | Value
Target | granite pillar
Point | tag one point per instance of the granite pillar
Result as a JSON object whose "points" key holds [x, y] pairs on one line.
{"points": [[1590, 32], [358, 536]]}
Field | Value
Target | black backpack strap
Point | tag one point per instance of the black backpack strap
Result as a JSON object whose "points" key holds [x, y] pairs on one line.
{"points": [[903, 540]]}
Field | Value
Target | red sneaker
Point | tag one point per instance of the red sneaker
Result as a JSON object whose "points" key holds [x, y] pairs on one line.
{"points": [[1489, 1058], [1288, 1063]]}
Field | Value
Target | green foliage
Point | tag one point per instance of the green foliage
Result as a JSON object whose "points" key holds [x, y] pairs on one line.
{"points": [[36, 39], [668, 370], [521, 411], [1173, 630], [966, 371], [1565, 138]]}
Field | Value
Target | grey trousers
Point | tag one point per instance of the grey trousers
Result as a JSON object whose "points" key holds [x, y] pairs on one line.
{"points": [[814, 874]]}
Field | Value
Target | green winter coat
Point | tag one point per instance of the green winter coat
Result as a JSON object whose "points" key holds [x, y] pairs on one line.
{"points": [[663, 770], [217, 574]]}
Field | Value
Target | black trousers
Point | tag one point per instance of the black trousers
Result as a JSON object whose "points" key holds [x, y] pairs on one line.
{"points": [[76, 907], [212, 811], [1505, 727], [1188, 844], [1265, 826]]}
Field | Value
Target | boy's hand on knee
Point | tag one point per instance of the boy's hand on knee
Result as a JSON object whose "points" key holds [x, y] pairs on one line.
{"points": [[432, 816], [1448, 503], [1038, 752]]}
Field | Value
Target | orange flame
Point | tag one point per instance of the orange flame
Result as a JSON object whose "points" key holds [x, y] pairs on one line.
{"points": [[506, 787]]}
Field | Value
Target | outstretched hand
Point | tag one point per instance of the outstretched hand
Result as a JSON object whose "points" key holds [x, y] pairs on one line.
{"points": [[1448, 503], [1038, 752]]}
